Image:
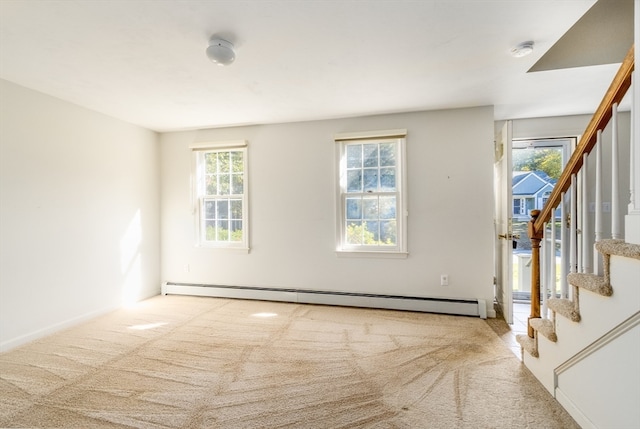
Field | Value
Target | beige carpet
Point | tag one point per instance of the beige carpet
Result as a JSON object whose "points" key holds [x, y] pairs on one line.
{"points": [[187, 362]]}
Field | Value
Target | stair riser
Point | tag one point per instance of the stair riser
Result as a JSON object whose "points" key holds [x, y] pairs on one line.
{"points": [[599, 315]]}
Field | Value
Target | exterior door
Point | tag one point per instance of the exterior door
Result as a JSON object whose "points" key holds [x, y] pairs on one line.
{"points": [[537, 165], [503, 210]]}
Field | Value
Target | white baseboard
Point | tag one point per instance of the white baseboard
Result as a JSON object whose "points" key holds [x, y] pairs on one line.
{"points": [[40, 333], [573, 410], [465, 307]]}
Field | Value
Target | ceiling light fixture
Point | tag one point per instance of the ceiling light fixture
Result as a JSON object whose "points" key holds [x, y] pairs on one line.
{"points": [[523, 49], [221, 51]]}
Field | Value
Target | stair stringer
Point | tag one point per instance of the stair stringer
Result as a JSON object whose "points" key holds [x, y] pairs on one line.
{"points": [[600, 314]]}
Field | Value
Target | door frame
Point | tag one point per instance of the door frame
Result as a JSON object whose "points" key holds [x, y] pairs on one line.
{"points": [[502, 221]]}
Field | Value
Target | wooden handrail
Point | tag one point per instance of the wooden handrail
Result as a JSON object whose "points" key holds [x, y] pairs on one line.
{"points": [[616, 92]]}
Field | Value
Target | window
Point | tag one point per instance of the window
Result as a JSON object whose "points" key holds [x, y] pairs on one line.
{"points": [[545, 197], [221, 195], [517, 206], [531, 205], [371, 199]]}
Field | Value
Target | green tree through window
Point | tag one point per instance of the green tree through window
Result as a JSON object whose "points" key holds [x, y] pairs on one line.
{"points": [[548, 160]]}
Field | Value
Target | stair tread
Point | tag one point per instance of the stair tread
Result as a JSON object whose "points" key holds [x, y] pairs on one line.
{"points": [[565, 307], [591, 282], [618, 248], [545, 327], [527, 343]]}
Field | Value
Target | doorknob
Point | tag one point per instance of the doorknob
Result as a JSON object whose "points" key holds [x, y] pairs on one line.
{"points": [[509, 236]]}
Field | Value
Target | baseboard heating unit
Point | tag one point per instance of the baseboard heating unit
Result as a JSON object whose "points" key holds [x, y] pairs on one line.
{"points": [[464, 307]]}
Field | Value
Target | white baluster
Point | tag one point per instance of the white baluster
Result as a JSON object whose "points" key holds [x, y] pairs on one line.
{"points": [[552, 257], [632, 153], [573, 239], [578, 213], [615, 196], [564, 254], [585, 234], [543, 272], [597, 260]]}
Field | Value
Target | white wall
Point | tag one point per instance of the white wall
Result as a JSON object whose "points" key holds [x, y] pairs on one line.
{"points": [[79, 202], [292, 196]]}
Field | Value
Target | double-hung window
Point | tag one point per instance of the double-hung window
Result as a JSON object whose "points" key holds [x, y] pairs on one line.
{"points": [[371, 192], [221, 203]]}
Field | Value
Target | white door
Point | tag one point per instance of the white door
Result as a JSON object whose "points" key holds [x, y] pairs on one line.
{"points": [[503, 209]]}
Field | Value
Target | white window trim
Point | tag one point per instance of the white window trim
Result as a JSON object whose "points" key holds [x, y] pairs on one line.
{"points": [[196, 181], [400, 250], [228, 144]]}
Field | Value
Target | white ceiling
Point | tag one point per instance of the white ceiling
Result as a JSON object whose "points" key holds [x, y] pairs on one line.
{"points": [[144, 61]]}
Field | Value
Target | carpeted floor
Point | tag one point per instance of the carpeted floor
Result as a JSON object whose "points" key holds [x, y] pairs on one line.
{"points": [[188, 362]]}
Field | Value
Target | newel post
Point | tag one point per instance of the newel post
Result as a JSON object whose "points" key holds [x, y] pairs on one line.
{"points": [[535, 237]]}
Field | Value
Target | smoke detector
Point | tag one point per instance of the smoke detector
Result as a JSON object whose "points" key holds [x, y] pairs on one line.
{"points": [[221, 51], [522, 49]]}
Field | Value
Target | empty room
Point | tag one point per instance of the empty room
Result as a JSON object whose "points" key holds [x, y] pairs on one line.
{"points": [[319, 214]]}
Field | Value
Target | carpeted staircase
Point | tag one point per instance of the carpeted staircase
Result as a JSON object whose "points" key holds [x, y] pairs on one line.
{"points": [[570, 308], [585, 354]]}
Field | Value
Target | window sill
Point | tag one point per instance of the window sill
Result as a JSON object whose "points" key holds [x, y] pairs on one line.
{"points": [[236, 250], [374, 254]]}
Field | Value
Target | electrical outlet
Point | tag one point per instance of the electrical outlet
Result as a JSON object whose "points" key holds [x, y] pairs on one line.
{"points": [[187, 268], [444, 280]]}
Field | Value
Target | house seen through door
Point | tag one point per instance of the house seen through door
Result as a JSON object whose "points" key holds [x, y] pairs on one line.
{"points": [[536, 167]]}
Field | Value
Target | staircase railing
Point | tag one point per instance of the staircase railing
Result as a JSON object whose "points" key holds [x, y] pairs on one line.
{"points": [[574, 176]]}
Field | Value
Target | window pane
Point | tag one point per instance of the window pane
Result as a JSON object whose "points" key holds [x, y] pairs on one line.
{"points": [[223, 230], [370, 208], [354, 181], [236, 184], [387, 207], [354, 156], [223, 209], [387, 154], [223, 162], [236, 162], [370, 155], [210, 230], [211, 162], [354, 208], [223, 184], [209, 210], [387, 179], [236, 230], [370, 179], [354, 232], [388, 232], [531, 204], [212, 184], [236, 209], [371, 235]]}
